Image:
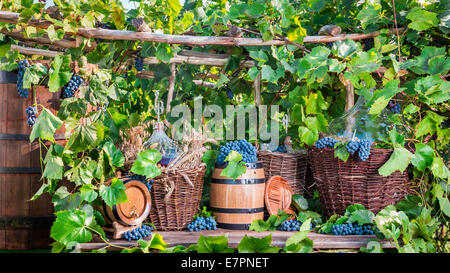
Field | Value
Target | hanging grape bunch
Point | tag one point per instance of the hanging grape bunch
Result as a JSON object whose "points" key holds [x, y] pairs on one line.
{"points": [[395, 108], [22, 68], [139, 62], [72, 86], [352, 146], [31, 113], [230, 94], [202, 223], [246, 149], [352, 229], [364, 149], [138, 233]]}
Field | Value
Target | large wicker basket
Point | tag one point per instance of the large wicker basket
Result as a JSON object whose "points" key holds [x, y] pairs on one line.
{"points": [[341, 184], [292, 167], [176, 197]]}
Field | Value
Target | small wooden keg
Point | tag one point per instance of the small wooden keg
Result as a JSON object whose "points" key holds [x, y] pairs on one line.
{"points": [[133, 212], [235, 204]]}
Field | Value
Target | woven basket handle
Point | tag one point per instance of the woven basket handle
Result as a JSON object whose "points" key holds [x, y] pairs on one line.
{"points": [[171, 188], [186, 178]]}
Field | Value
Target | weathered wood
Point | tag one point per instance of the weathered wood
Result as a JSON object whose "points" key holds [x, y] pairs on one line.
{"points": [[140, 25], [173, 76], [44, 40], [186, 238], [110, 34], [198, 61], [257, 89], [193, 53], [36, 51]]}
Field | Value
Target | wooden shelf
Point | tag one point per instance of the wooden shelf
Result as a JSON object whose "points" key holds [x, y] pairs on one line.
{"points": [[186, 238]]}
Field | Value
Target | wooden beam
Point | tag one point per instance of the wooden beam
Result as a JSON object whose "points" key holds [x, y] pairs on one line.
{"points": [[36, 51], [198, 61], [111, 34], [44, 40], [186, 238], [173, 76], [257, 89]]}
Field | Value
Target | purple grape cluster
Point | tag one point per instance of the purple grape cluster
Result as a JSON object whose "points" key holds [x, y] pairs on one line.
{"points": [[31, 113], [72, 86], [397, 109], [352, 146], [138, 233], [202, 223], [230, 94], [326, 142], [292, 225], [22, 68], [364, 149], [139, 62], [246, 149], [352, 229]]}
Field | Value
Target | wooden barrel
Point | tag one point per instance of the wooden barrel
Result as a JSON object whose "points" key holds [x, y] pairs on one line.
{"points": [[133, 212], [24, 224], [235, 204]]}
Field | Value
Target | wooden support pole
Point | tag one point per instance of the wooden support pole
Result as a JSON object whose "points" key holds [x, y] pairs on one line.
{"points": [[44, 40], [349, 103], [36, 51], [173, 75], [257, 89]]}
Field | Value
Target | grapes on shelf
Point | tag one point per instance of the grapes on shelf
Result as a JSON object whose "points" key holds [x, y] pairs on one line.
{"points": [[137, 233], [139, 63], [72, 86], [364, 149], [326, 142], [22, 68], [202, 223], [291, 225], [31, 113], [245, 148], [352, 229]]}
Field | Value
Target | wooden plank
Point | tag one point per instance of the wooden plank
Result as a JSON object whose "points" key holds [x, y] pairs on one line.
{"points": [[36, 51], [186, 238]]}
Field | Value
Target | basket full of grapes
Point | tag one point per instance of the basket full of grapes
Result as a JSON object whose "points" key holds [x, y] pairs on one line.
{"points": [[346, 172]]}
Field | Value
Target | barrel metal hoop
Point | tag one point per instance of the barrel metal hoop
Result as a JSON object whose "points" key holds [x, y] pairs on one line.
{"points": [[26, 222], [234, 226], [255, 165], [228, 210], [20, 170], [26, 137], [238, 181]]}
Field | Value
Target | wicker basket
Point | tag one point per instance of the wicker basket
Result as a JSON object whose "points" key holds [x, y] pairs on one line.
{"points": [[176, 197], [292, 167], [341, 184]]}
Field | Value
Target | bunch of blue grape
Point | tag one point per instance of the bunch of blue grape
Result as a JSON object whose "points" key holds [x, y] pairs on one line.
{"points": [[139, 62], [329, 45], [364, 149], [352, 229], [397, 109], [280, 149], [202, 223], [230, 94], [143, 179], [353, 146], [326, 142], [138, 233], [72, 86], [292, 225], [22, 67], [246, 149], [31, 113], [368, 43]]}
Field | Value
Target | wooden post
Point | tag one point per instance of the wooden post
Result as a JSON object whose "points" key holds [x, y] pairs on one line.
{"points": [[257, 89], [349, 103], [173, 71]]}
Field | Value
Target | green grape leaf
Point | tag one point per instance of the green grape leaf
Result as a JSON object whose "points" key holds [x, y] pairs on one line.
{"points": [[423, 156], [33, 74], [362, 217], [398, 161], [164, 52], [114, 155], [60, 72], [74, 226], [82, 137], [421, 64], [54, 165], [422, 19], [87, 193], [341, 152], [146, 163], [308, 136], [235, 166], [257, 245], [299, 202], [259, 225], [439, 169], [45, 126], [213, 244], [113, 194], [64, 200], [369, 15]]}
